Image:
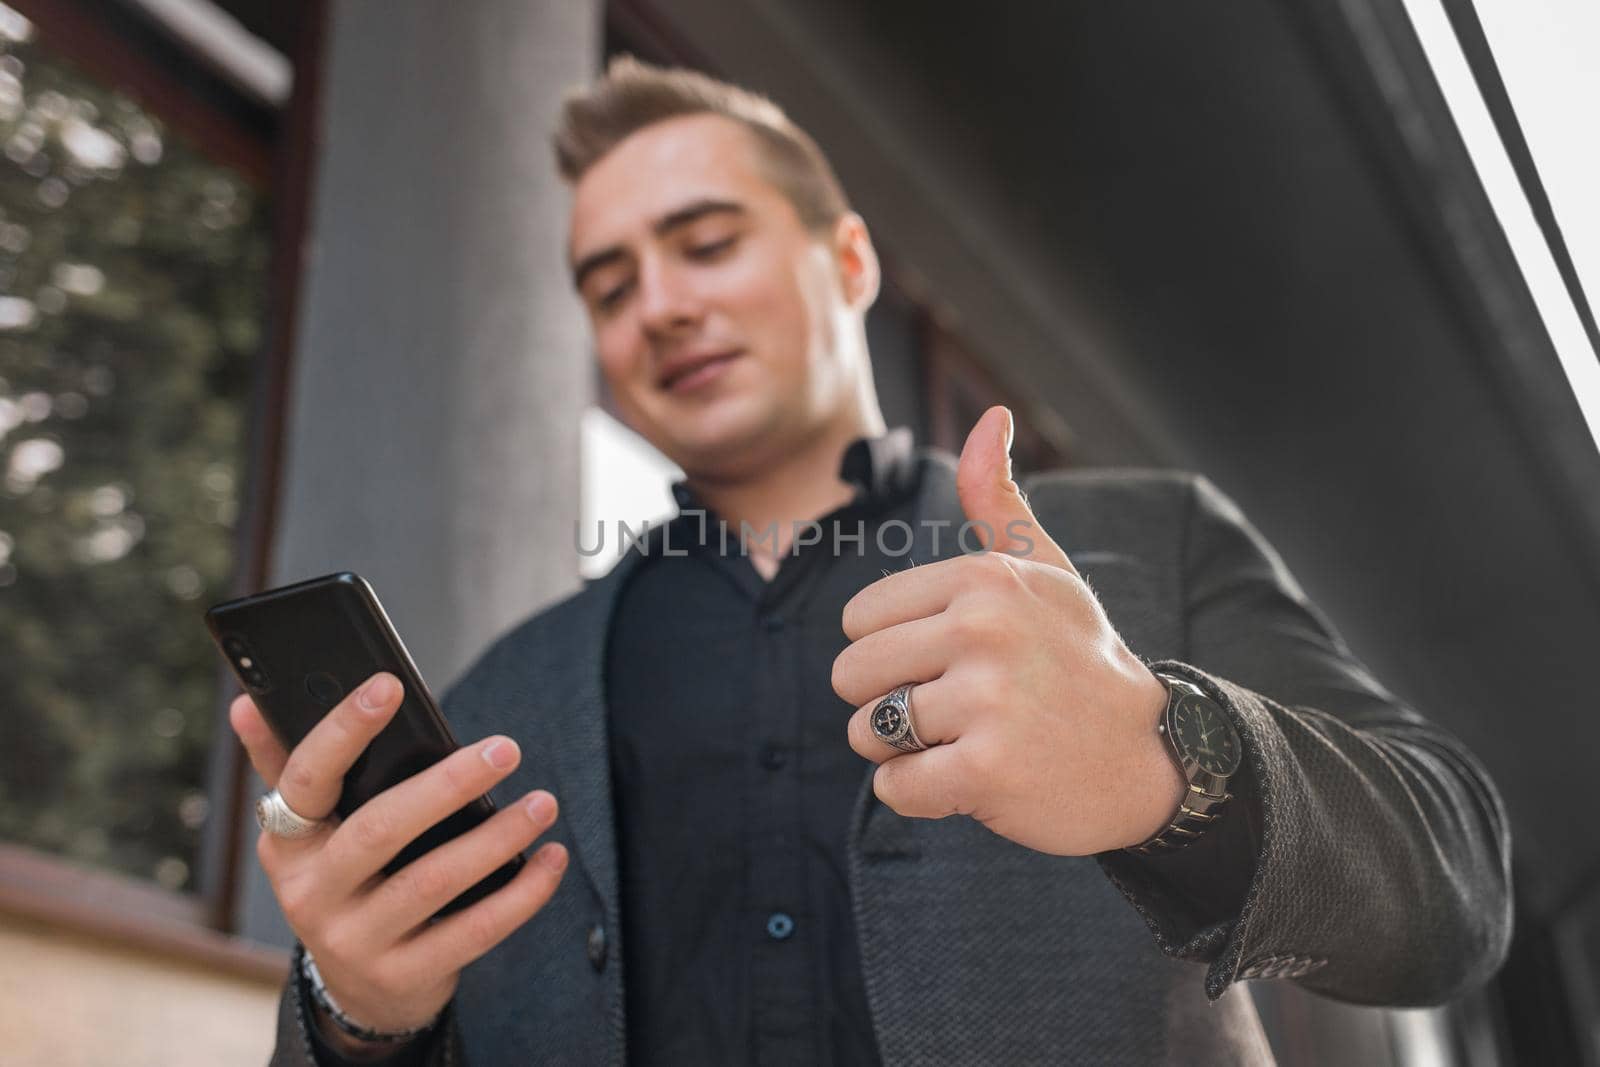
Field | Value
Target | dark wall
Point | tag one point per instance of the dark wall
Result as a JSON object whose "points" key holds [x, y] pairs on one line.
{"points": [[1221, 252]]}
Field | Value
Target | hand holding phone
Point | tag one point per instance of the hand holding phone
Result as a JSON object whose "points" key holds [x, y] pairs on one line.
{"points": [[414, 874], [382, 959]]}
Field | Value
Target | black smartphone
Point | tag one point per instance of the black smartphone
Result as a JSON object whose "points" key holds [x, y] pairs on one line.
{"points": [[300, 649]]}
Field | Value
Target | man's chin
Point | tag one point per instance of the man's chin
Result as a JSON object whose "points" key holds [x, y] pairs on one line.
{"points": [[723, 447]]}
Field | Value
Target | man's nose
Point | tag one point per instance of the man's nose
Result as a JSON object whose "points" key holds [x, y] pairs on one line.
{"points": [[667, 303]]}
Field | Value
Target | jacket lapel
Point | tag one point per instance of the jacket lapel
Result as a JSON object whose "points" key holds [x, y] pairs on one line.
{"points": [[576, 729]]}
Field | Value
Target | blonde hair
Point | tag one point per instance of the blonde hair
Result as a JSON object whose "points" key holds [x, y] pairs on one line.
{"points": [[633, 95]]}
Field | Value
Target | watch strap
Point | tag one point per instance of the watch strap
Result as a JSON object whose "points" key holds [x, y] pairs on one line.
{"points": [[336, 1014], [1196, 812]]}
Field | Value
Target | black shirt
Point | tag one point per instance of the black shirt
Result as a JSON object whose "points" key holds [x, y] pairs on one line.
{"points": [[733, 782]]}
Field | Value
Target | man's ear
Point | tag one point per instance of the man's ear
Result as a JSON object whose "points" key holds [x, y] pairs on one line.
{"points": [[857, 259]]}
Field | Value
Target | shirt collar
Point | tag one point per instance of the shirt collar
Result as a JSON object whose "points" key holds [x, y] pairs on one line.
{"points": [[883, 469]]}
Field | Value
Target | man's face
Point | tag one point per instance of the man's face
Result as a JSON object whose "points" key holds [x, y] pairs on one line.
{"points": [[717, 316]]}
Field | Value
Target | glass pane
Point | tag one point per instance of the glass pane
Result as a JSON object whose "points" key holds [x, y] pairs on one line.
{"points": [[1545, 52], [131, 307]]}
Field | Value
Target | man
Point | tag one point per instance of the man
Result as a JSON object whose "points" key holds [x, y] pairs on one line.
{"points": [[1093, 811]]}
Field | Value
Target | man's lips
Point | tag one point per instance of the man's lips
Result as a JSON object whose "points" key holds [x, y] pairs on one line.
{"points": [[690, 370]]}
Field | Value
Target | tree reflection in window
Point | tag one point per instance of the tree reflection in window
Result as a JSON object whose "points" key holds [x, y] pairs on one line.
{"points": [[132, 273]]}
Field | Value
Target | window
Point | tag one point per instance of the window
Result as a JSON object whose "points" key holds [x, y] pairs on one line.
{"points": [[1546, 210], [132, 302]]}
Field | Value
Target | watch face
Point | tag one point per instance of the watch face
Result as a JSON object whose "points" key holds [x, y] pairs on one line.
{"points": [[1204, 735]]}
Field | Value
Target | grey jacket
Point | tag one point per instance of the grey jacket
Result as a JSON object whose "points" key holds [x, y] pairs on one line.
{"points": [[1382, 875]]}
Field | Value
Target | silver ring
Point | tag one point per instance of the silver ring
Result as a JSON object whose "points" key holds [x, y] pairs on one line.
{"points": [[276, 817], [891, 721]]}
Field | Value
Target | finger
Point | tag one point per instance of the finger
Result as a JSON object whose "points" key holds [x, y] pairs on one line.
{"points": [[375, 833], [940, 711], [266, 752], [453, 942], [926, 785], [916, 651], [914, 593], [992, 500], [406, 900], [313, 777]]}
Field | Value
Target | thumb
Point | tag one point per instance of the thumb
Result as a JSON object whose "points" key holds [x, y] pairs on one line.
{"points": [[991, 500]]}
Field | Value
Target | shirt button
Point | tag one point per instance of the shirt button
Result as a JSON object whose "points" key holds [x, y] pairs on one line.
{"points": [[773, 757], [596, 947], [773, 623], [779, 925]]}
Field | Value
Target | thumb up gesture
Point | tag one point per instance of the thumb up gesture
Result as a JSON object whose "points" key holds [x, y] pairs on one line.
{"points": [[1038, 720]]}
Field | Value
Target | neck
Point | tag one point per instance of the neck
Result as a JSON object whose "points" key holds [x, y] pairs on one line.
{"points": [[803, 484]]}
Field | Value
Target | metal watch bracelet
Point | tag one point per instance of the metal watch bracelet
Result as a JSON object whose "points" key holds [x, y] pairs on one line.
{"points": [[325, 1001]]}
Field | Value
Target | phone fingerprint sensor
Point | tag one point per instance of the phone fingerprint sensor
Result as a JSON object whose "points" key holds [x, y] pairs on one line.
{"points": [[324, 688]]}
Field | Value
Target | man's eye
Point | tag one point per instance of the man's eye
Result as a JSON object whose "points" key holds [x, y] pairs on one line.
{"points": [[712, 250], [612, 297]]}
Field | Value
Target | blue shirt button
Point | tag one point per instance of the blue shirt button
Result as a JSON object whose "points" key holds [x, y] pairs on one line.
{"points": [[779, 925]]}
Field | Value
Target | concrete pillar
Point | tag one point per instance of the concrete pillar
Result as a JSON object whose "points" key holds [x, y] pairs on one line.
{"points": [[442, 362]]}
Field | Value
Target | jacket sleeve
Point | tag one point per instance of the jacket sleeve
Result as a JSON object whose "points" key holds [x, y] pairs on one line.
{"points": [[1367, 852], [298, 1045]]}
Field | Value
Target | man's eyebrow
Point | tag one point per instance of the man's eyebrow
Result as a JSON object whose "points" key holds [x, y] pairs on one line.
{"points": [[699, 209], [663, 226]]}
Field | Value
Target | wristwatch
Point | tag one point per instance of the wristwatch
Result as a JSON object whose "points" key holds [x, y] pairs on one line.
{"points": [[1205, 746]]}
